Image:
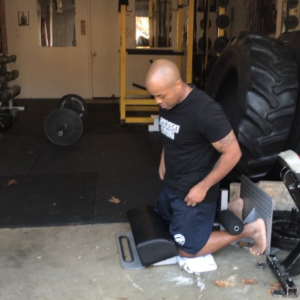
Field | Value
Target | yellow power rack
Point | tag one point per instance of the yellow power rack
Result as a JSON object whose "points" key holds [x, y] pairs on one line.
{"points": [[136, 100]]}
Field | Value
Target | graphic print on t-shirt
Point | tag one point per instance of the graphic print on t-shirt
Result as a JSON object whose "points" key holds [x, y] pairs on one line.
{"points": [[168, 128]]}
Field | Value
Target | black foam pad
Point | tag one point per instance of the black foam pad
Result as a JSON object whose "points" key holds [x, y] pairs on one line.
{"points": [[230, 222], [151, 235]]}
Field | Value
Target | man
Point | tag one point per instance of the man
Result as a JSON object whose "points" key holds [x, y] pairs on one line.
{"points": [[200, 149]]}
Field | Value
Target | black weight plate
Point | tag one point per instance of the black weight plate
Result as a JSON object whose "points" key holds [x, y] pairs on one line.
{"points": [[6, 120], [221, 43], [291, 22], [283, 236], [59, 118], [292, 3], [223, 3], [202, 24], [75, 103], [223, 21], [202, 44]]}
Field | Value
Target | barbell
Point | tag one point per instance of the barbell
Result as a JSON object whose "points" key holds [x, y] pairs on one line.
{"points": [[64, 126]]}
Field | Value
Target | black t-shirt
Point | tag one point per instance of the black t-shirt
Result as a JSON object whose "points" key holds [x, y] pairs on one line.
{"points": [[189, 128]]}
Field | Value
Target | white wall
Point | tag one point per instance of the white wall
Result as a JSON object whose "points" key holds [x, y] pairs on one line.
{"points": [[55, 71], [47, 72]]}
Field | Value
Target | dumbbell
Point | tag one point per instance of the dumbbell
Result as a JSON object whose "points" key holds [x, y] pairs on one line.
{"points": [[64, 126], [231, 222], [6, 120]]}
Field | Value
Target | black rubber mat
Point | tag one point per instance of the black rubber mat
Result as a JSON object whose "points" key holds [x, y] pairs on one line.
{"points": [[19, 153], [43, 184], [123, 190], [31, 120], [155, 143], [47, 200], [97, 152]]}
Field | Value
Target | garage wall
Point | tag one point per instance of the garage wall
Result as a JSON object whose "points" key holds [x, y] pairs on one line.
{"points": [[3, 26], [47, 72], [51, 72]]}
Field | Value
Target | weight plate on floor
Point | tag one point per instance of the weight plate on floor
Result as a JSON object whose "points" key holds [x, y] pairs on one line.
{"points": [[285, 232], [75, 103], [6, 120], [63, 127]]}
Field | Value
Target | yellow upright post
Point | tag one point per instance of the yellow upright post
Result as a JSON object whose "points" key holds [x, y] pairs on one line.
{"points": [[179, 32], [222, 11], [190, 41], [123, 62]]}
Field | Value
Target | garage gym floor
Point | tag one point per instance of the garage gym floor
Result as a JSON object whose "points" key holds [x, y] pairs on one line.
{"points": [[57, 236]]}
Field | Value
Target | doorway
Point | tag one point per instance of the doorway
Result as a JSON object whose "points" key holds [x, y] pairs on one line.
{"points": [[105, 42]]}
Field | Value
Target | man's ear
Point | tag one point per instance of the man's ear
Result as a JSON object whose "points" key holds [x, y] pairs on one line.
{"points": [[178, 84]]}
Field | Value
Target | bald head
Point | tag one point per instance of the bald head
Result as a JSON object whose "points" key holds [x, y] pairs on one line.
{"points": [[164, 83], [163, 71]]}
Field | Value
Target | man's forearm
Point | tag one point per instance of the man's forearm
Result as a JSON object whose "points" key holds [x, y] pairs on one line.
{"points": [[223, 166]]}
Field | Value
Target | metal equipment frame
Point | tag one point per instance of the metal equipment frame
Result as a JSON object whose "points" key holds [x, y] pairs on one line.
{"points": [[283, 271], [129, 99]]}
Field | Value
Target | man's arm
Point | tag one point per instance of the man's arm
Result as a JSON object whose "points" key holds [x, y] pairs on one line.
{"points": [[162, 167], [230, 155]]}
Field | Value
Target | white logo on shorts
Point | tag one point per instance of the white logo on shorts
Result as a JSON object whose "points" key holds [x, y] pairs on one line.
{"points": [[179, 239]]}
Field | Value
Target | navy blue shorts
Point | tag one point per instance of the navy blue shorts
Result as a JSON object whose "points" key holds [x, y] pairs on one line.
{"points": [[190, 226]]}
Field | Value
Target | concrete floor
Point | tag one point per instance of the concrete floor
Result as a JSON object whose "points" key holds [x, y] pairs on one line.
{"points": [[82, 263]]}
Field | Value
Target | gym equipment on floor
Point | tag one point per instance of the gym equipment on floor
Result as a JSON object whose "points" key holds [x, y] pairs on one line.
{"points": [[64, 126], [8, 93], [74, 102], [149, 242], [290, 175], [6, 120]]}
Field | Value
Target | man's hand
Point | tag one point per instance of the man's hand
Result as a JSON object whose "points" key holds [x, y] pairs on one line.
{"points": [[162, 170], [230, 155], [195, 195], [162, 167]]}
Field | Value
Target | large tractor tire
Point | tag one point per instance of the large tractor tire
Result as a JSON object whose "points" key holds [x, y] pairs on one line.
{"points": [[292, 41], [255, 80]]}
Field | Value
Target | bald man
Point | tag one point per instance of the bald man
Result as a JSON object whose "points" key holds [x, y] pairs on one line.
{"points": [[200, 149]]}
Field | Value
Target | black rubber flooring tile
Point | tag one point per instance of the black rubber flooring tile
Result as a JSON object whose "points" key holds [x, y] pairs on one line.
{"points": [[155, 143], [107, 153], [119, 192], [47, 200], [19, 153], [31, 120]]}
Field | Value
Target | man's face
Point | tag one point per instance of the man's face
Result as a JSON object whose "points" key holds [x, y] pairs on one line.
{"points": [[165, 96]]}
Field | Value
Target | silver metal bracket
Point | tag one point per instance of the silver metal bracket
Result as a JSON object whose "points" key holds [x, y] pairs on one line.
{"points": [[289, 289]]}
